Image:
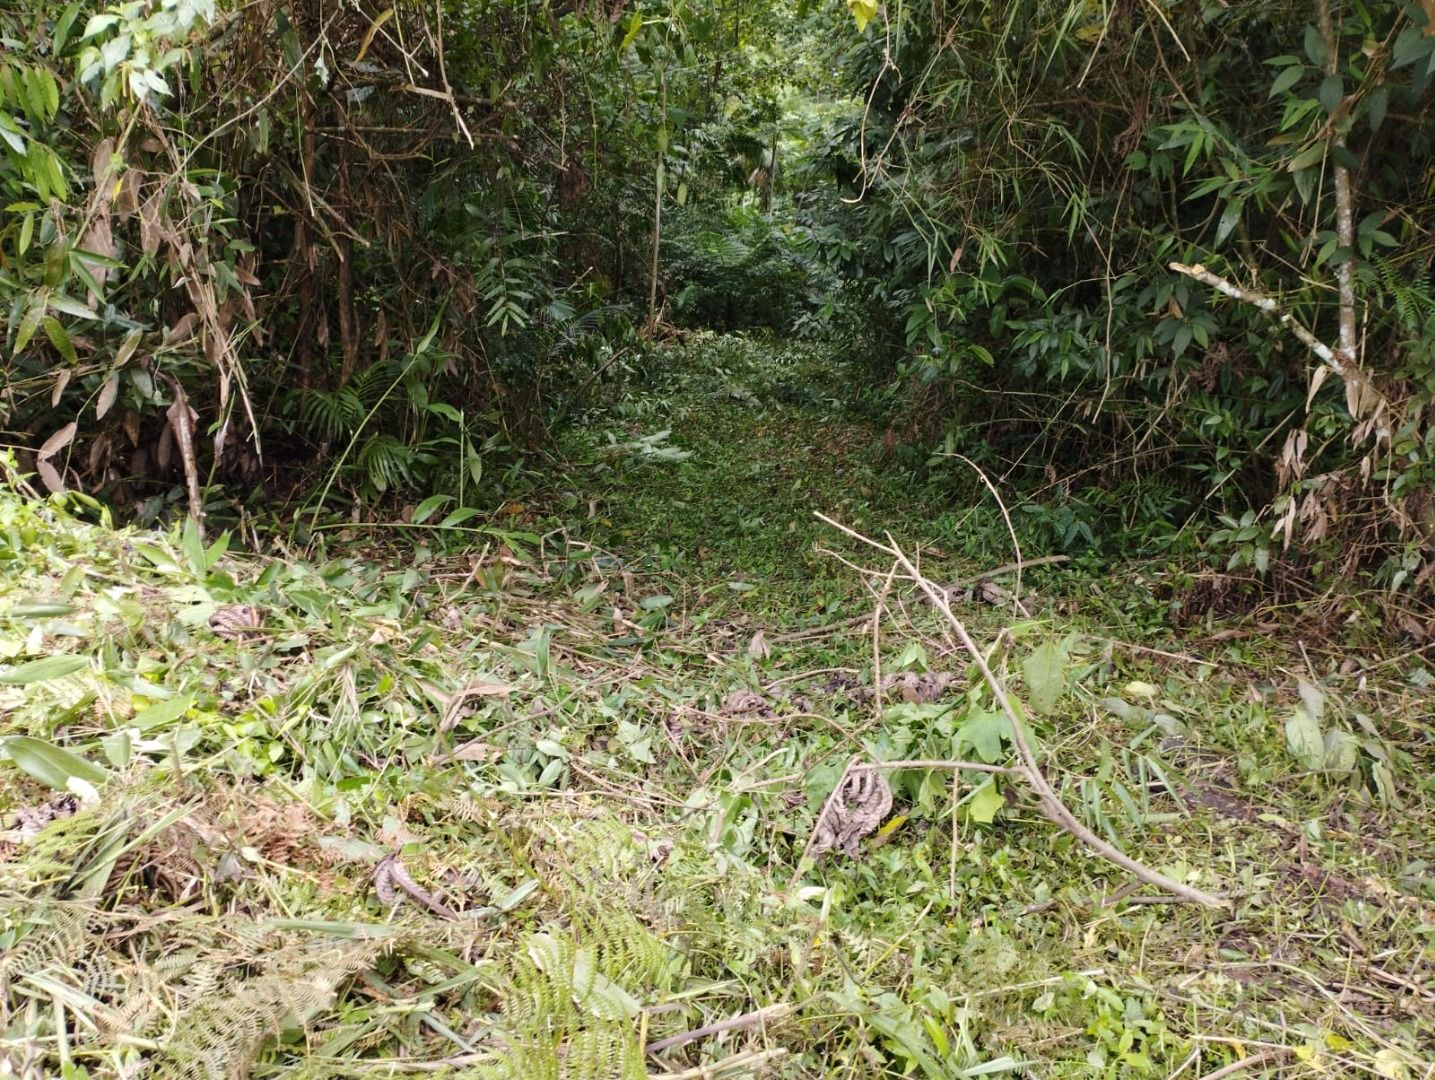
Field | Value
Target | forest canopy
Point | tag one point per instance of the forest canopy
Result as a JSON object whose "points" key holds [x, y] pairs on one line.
{"points": [[1164, 269]]}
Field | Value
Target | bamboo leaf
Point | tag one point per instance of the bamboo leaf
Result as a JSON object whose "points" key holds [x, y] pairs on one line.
{"points": [[50, 764]]}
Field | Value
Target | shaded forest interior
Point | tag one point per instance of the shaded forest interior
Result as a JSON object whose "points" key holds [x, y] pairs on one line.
{"points": [[1163, 275]]}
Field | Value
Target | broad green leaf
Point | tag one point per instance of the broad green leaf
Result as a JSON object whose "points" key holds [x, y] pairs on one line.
{"points": [[60, 339], [162, 712], [1286, 79], [1304, 739], [50, 764], [1311, 155], [1045, 674], [28, 325], [1229, 219], [40, 610], [458, 517], [62, 28], [192, 544], [425, 509], [1341, 752], [983, 732], [158, 558], [1331, 92], [1312, 699], [986, 802], [51, 667]]}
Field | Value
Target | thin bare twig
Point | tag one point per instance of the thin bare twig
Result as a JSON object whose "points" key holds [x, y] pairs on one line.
{"points": [[1248, 1062], [757, 1018]]}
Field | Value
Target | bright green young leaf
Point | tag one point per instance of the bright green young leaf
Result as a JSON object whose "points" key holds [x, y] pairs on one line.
{"points": [[863, 11], [635, 24], [986, 802]]}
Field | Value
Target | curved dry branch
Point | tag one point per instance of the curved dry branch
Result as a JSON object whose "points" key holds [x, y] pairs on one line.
{"points": [[1030, 769]]}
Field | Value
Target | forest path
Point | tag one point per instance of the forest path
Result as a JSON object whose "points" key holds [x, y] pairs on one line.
{"points": [[712, 464], [537, 807]]}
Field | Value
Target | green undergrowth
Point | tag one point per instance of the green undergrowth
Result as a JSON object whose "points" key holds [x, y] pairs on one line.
{"points": [[597, 743]]}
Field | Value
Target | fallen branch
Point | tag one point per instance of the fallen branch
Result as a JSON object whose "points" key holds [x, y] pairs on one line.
{"points": [[1030, 768], [757, 1018], [1342, 366], [747, 1062]]}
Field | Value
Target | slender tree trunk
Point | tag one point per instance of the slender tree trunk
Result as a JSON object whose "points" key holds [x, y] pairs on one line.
{"points": [[348, 338], [657, 219], [657, 236], [1344, 200]]}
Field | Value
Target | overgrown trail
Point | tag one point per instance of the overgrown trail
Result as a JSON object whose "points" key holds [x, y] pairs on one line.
{"points": [[712, 463], [536, 807]]}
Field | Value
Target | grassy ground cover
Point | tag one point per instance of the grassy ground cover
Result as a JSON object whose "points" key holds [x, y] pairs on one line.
{"points": [[531, 799]]}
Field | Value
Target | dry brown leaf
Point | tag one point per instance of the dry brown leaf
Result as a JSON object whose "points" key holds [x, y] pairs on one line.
{"points": [[131, 425], [58, 441], [99, 452], [62, 380], [476, 750], [149, 225], [100, 160], [127, 197], [50, 477], [182, 330], [862, 800], [757, 648], [237, 622], [488, 689], [107, 395], [453, 703]]}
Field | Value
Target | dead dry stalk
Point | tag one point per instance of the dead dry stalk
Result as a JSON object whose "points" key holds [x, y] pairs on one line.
{"points": [[1029, 769]]}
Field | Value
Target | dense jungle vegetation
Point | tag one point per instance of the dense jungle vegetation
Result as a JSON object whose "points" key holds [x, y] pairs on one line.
{"points": [[634, 538]]}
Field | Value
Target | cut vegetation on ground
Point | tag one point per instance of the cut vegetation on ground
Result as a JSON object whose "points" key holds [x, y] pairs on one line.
{"points": [[533, 800]]}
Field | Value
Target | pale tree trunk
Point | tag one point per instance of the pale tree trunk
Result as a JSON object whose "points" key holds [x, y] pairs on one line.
{"points": [[658, 181], [1344, 201]]}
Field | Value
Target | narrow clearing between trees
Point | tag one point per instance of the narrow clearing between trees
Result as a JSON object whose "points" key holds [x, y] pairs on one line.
{"points": [[533, 799]]}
